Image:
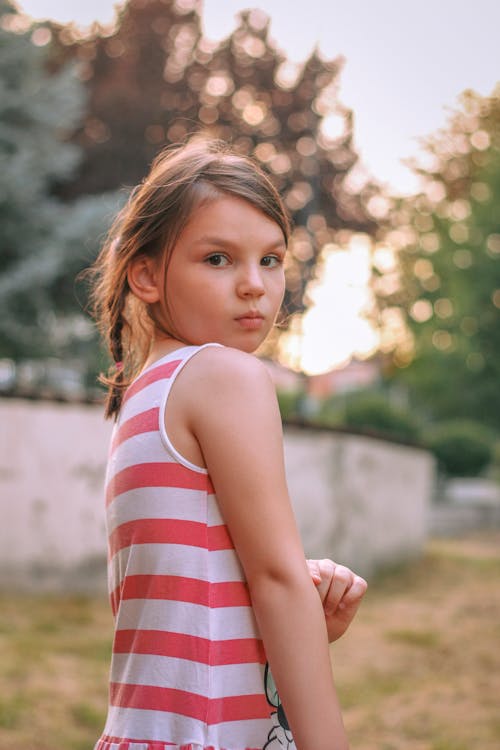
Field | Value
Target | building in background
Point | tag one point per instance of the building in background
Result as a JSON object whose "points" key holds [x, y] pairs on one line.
{"points": [[356, 375]]}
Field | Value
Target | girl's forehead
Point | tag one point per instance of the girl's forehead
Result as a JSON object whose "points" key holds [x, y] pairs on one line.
{"points": [[229, 215]]}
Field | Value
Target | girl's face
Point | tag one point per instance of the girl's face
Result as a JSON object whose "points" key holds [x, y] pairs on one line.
{"points": [[225, 279]]}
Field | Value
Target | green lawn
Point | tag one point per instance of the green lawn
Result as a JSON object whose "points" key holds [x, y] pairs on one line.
{"points": [[419, 669]]}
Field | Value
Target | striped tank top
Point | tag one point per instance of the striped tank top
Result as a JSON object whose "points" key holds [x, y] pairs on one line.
{"points": [[188, 669]]}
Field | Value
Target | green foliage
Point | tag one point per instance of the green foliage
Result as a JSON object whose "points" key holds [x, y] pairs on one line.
{"points": [[446, 288], [370, 411], [374, 411], [289, 403], [413, 637], [462, 447], [44, 241], [494, 468], [87, 716]]}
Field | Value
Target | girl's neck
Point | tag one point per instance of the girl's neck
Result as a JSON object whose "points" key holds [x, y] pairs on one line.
{"points": [[161, 346]]}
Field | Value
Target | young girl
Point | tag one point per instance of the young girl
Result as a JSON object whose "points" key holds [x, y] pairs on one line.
{"points": [[221, 639]]}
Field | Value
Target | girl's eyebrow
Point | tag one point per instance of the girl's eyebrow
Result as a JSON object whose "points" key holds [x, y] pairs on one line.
{"points": [[225, 242]]}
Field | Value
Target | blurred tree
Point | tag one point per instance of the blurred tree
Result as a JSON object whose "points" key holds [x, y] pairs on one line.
{"points": [[44, 242], [155, 79], [446, 288]]}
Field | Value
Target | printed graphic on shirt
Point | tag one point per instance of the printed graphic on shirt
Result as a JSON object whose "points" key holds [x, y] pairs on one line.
{"points": [[280, 735]]}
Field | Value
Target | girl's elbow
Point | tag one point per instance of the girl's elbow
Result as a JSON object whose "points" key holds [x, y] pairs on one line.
{"points": [[275, 579]]}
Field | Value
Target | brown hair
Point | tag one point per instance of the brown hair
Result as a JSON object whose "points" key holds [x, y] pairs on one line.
{"points": [[180, 180]]}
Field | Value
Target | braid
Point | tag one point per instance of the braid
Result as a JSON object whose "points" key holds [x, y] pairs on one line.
{"points": [[115, 393], [116, 380]]}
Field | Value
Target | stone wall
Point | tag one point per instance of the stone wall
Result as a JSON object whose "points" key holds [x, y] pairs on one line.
{"points": [[359, 500]]}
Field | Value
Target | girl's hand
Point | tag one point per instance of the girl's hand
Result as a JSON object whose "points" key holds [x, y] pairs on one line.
{"points": [[341, 592]]}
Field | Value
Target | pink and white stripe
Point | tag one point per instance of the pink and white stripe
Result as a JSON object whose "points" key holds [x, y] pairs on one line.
{"points": [[187, 668]]}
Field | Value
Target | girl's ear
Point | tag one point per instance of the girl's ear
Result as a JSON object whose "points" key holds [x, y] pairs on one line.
{"points": [[142, 276]]}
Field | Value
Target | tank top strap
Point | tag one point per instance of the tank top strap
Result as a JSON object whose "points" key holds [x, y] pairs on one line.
{"points": [[183, 356]]}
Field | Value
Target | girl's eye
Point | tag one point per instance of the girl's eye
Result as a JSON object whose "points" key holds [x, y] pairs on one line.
{"points": [[217, 259], [271, 261]]}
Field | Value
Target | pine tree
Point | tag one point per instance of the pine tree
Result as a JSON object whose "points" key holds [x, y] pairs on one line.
{"points": [[44, 242]]}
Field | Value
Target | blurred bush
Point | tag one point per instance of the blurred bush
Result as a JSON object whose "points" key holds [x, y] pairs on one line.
{"points": [[290, 404], [369, 411], [374, 411], [462, 447]]}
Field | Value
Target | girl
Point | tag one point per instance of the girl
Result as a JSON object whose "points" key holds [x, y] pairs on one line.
{"points": [[208, 582]]}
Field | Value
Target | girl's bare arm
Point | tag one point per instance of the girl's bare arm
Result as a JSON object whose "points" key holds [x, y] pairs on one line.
{"points": [[233, 413]]}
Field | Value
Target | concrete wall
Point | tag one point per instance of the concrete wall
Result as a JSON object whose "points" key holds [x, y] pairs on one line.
{"points": [[52, 460], [359, 500], [466, 504]]}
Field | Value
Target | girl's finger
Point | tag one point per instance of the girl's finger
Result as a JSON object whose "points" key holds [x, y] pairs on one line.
{"points": [[354, 594], [342, 581]]}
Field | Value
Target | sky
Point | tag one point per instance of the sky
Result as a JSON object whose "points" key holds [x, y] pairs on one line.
{"points": [[405, 64]]}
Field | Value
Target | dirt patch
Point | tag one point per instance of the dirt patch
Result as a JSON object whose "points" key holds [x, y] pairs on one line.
{"points": [[419, 669]]}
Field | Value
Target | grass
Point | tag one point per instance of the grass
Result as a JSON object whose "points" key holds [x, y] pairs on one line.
{"points": [[54, 660], [420, 667], [421, 638], [418, 670]]}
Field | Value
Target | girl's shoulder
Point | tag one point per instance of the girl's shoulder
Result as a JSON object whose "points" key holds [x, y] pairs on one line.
{"points": [[221, 371], [225, 392], [225, 365]]}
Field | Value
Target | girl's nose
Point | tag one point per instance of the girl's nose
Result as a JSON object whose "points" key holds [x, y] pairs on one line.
{"points": [[250, 282]]}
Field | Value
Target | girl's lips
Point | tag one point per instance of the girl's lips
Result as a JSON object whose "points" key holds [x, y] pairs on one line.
{"points": [[251, 321]]}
